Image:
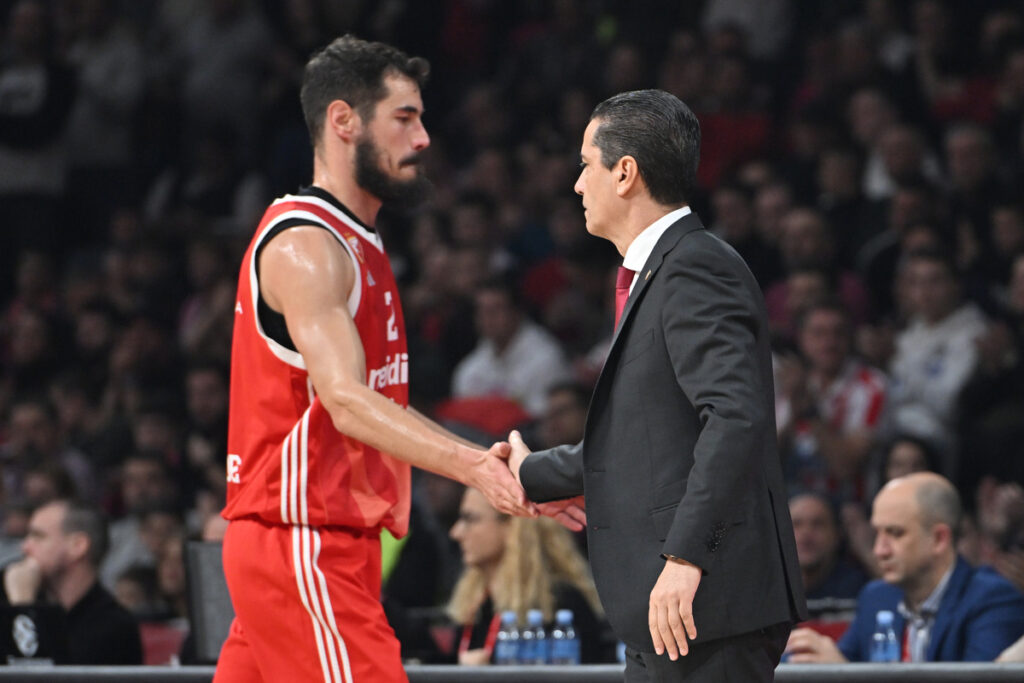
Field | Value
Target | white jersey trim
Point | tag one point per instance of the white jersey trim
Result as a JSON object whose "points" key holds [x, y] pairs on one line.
{"points": [[294, 358], [368, 235]]}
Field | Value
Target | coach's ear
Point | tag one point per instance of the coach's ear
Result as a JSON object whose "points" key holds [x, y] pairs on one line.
{"points": [[343, 120], [627, 176]]}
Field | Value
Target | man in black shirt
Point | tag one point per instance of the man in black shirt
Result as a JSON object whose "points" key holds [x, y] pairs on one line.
{"points": [[65, 543]]}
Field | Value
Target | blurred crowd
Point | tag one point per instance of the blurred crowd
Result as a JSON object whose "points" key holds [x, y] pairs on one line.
{"points": [[866, 158]]}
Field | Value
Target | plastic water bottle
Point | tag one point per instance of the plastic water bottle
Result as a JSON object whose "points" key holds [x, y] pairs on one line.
{"points": [[506, 648], [533, 642], [565, 644], [885, 647]]}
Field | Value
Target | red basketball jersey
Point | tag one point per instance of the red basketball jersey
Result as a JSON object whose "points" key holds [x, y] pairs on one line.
{"points": [[287, 463]]}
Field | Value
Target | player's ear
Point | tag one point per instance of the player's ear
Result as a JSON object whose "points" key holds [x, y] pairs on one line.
{"points": [[342, 120]]}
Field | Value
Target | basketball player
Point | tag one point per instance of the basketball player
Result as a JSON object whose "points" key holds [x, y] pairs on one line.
{"points": [[320, 439]]}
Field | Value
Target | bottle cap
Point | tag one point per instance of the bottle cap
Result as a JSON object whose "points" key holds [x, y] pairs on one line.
{"points": [[535, 617], [508, 617], [884, 617], [563, 616]]}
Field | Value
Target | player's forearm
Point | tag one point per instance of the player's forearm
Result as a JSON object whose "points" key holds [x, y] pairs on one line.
{"points": [[375, 420]]}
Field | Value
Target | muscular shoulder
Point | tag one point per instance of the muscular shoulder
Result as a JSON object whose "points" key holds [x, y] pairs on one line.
{"points": [[304, 259]]}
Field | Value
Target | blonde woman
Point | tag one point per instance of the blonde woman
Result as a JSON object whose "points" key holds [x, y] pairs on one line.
{"points": [[518, 563]]}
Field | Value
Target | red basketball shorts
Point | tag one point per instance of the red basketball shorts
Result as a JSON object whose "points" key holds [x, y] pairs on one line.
{"points": [[307, 607]]}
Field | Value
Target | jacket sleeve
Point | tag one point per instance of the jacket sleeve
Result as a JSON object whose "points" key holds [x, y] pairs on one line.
{"points": [[998, 623], [711, 321], [553, 474]]}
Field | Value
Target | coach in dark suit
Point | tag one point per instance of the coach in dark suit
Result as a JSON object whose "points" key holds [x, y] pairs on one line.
{"points": [[687, 520]]}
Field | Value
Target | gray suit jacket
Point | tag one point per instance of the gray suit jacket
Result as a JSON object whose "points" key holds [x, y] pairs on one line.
{"points": [[679, 454]]}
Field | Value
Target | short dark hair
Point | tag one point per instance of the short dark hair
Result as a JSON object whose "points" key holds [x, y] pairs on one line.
{"points": [[660, 132], [353, 70], [580, 393], [830, 304], [939, 256], [86, 519]]}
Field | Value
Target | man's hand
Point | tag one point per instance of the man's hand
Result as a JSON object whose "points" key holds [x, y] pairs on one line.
{"points": [[489, 473], [476, 657], [808, 646], [520, 451], [670, 616], [570, 513], [22, 580]]}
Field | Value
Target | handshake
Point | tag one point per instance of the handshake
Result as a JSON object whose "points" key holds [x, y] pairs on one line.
{"points": [[495, 473]]}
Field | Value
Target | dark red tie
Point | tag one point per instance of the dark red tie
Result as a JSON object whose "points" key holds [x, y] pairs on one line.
{"points": [[623, 280]]}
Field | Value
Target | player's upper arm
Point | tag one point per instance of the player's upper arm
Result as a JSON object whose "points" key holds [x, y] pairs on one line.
{"points": [[306, 275]]}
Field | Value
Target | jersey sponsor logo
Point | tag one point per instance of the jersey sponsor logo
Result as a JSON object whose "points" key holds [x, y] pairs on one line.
{"points": [[238, 307], [394, 371], [234, 465], [357, 248]]}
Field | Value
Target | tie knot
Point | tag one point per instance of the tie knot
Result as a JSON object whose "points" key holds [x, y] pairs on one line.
{"points": [[624, 278]]}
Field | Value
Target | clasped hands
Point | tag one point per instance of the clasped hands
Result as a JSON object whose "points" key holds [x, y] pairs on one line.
{"points": [[499, 482], [670, 610]]}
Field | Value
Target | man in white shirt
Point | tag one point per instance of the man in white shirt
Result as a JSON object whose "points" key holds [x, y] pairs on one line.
{"points": [[515, 359], [936, 354]]}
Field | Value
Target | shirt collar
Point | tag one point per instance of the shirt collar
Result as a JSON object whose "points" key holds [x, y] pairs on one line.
{"points": [[930, 607], [640, 249]]}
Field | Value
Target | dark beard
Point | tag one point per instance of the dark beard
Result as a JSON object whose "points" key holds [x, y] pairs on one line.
{"points": [[402, 195]]}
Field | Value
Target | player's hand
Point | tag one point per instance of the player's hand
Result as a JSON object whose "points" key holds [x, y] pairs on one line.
{"points": [[670, 615], [22, 580], [489, 473], [808, 646], [570, 513]]}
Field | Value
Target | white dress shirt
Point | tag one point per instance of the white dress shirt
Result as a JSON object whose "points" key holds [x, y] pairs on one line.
{"points": [[640, 249]]}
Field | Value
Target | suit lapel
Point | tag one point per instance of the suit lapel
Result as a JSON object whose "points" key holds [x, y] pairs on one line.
{"points": [[666, 243], [944, 617]]}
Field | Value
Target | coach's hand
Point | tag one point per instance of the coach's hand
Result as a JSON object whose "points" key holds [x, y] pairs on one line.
{"points": [[489, 473], [570, 513], [670, 616]]}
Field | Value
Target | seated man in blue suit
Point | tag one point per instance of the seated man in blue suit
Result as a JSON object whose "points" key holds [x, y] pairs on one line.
{"points": [[945, 610]]}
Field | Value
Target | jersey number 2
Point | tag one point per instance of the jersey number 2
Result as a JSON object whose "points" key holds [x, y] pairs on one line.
{"points": [[392, 328]]}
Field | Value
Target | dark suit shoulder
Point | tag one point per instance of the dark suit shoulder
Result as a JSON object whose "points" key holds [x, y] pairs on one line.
{"points": [[985, 583]]}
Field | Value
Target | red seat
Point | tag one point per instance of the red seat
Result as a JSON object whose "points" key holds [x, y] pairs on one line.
{"points": [[493, 415], [161, 640], [833, 628]]}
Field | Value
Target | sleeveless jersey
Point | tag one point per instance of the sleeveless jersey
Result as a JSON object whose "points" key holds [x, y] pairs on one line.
{"points": [[287, 464]]}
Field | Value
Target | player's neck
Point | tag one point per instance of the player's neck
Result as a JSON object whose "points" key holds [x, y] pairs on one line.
{"points": [[343, 186]]}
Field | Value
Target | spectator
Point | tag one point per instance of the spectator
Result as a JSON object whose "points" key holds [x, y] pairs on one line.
{"points": [[565, 415], [515, 359], [66, 543], [827, 574], [807, 241], [145, 483], [951, 611], [734, 223], [935, 355], [110, 68], [515, 563], [36, 96], [831, 408], [33, 440]]}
